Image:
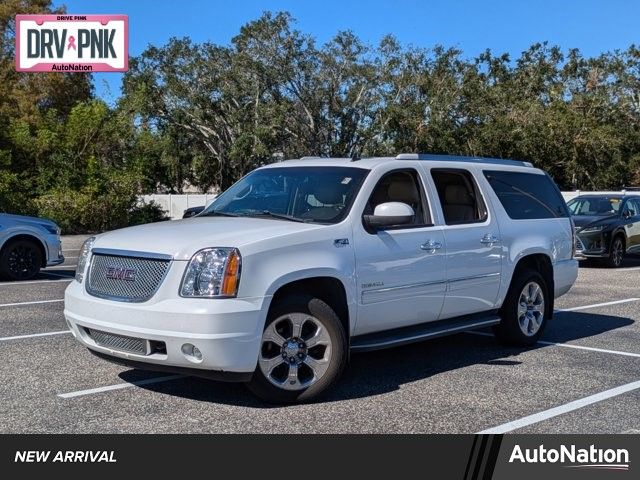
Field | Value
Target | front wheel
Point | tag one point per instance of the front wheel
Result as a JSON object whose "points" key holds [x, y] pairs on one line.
{"points": [[616, 255], [20, 260], [523, 310], [303, 351]]}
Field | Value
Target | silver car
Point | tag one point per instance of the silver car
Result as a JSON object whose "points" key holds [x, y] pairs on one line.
{"points": [[27, 244]]}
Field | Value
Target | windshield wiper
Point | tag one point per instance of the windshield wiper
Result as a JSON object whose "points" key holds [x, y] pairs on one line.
{"points": [[214, 213], [279, 216]]}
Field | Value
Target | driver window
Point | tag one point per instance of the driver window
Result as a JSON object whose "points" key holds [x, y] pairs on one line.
{"points": [[400, 186], [633, 207]]}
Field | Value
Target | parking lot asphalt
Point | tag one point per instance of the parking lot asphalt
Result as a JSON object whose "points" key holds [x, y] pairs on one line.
{"points": [[583, 377]]}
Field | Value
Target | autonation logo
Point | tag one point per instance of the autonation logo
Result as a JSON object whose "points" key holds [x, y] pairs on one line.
{"points": [[574, 457]]}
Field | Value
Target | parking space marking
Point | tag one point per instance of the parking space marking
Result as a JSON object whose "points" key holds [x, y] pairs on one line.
{"points": [[596, 305], [39, 281], [568, 345], [60, 267], [31, 303], [119, 386], [33, 335], [562, 409]]}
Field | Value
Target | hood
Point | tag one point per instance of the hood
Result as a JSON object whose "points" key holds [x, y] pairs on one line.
{"points": [[26, 219], [581, 221], [182, 238]]}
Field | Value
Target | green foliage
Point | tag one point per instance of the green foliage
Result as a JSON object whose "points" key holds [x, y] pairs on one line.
{"points": [[105, 205]]}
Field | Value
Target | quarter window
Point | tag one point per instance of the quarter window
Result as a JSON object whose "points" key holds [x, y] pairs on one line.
{"points": [[527, 195]]}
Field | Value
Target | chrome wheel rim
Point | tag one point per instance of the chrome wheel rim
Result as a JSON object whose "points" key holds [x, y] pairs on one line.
{"points": [[617, 252], [295, 351], [531, 309]]}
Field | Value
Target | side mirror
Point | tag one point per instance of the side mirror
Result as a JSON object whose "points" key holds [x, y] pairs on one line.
{"points": [[388, 215], [628, 213]]}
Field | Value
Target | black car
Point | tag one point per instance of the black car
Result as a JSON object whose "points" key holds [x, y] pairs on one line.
{"points": [[607, 226], [192, 211]]}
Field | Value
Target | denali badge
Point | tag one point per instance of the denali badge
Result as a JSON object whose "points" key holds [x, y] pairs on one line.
{"points": [[121, 273]]}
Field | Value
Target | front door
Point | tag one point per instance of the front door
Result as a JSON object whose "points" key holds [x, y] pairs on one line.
{"points": [[401, 278]]}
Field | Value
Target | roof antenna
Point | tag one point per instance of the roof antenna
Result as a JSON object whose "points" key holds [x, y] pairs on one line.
{"points": [[356, 155]]}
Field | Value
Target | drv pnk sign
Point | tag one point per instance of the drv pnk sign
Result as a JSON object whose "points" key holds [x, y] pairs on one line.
{"points": [[72, 43]]}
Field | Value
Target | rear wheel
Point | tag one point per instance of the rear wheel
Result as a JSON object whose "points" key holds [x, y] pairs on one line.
{"points": [[20, 260], [303, 351], [616, 254], [523, 311]]}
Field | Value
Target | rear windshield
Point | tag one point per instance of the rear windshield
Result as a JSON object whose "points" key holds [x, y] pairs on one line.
{"points": [[527, 195]]}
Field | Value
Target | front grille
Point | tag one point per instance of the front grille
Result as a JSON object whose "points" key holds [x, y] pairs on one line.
{"points": [[119, 342], [125, 278]]}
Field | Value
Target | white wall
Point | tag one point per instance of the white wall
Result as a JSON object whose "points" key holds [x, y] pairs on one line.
{"points": [[175, 205], [574, 193]]}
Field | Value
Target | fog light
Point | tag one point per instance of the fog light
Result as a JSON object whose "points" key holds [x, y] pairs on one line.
{"points": [[192, 352]]}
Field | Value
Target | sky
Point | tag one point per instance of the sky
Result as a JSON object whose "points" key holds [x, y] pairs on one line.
{"points": [[593, 26]]}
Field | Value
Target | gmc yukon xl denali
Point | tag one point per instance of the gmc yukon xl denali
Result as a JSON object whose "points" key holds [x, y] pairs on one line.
{"points": [[302, 262]]}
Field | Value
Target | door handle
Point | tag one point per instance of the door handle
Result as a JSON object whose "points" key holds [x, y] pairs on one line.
{"points": [[489, 239], [431, 245]]}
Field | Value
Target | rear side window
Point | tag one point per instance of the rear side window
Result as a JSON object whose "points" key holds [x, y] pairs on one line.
{"points": [[527, 195], [459, 196]]}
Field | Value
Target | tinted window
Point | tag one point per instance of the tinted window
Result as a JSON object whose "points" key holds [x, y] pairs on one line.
{"points": [[527, 195], [459, 196]]}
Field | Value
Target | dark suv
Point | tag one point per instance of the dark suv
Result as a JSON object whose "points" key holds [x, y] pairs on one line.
{"points": [[607, 226]]}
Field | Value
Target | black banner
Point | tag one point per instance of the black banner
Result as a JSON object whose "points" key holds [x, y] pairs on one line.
{"points": [[323, 456]]}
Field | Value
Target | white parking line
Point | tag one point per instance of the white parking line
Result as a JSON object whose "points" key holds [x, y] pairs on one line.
{"points": [[119, 386], [568, 345], [2, 284], [596, 305], [31, 303], [59, 267], [562, 409], [33, 335]]}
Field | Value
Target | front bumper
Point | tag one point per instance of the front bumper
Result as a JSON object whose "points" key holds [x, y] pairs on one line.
{"points": [[592, 245], [54, 250], [226, 331]]}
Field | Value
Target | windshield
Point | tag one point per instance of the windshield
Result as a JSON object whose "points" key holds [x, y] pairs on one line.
{"points": [[592, 206], [303, 194]]}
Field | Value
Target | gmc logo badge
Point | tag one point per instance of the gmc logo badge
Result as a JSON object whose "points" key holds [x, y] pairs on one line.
{"points": [[121, 273]]}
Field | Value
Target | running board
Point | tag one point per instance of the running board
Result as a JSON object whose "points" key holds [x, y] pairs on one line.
{"points": [[424, 331]]}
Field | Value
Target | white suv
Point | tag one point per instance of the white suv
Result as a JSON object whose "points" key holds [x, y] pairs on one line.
{"points": [[303, 261]]}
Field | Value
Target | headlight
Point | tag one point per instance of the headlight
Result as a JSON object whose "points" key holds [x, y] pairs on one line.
{"points": [[212, 272], [82, 258], [596, 228], [52, 229]]}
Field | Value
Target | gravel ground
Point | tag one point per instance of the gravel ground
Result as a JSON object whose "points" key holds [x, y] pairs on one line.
{"points": [[461, 384]]}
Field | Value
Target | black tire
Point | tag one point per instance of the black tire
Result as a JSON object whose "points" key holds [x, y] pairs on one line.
{"points": [[509, 330], [337, 356], [20, 260], [616, 252]]}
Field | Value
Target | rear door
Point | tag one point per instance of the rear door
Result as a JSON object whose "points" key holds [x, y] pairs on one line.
{"points": [[474, 247]]}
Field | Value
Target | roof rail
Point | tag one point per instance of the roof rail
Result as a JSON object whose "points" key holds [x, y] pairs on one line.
{"points": [[456, 158], [310, 157]]}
